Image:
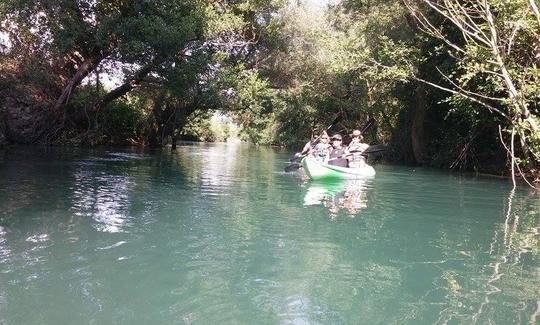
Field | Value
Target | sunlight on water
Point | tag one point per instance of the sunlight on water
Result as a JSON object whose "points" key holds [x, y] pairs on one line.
{"points": [[215, 234], [102, 198]]}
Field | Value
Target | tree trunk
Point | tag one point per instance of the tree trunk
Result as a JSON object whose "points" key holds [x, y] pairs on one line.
{"points": [[154, 134], [84, 69], [417, 126], [174, 138], [122, 89], [153, 139]]}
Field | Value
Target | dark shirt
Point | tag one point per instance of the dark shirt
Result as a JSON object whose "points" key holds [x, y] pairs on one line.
{"points": [[335, 161]]}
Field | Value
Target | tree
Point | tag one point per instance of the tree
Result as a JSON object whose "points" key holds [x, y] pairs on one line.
{"points": [[497, 54], [173, 45]]}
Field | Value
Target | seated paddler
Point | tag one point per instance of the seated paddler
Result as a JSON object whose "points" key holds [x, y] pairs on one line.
{"points": [[355, 150], [321, 150], [337, 155]]}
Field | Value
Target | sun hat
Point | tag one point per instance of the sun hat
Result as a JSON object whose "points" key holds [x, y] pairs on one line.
{"points": [[356, 133]]}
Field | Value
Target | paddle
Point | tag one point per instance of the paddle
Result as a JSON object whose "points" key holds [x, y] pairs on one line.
{"points": [[313, 143], [374, 148], [368, 125], [370, 149], [297, 157], [292, 167]]}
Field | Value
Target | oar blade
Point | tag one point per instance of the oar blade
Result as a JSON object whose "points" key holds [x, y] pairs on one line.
{"points": [[375, 148], [297, 157], [293, 167]]}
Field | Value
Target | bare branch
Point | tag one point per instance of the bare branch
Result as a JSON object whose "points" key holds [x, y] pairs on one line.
{"points": [[466, 17], [494, 73], [446, 11], [514, 94], [513, 35], [455, 92], [514, 163], [484, 30], [429, 29], [467, 91], [535, 11]]}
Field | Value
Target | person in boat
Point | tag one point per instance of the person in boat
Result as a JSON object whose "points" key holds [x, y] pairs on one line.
{"points": [[355, 150], [310, 144], [322, 149], [337, 156]]}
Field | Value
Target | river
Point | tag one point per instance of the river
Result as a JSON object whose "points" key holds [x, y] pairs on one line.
{"points": [[219, 234]]}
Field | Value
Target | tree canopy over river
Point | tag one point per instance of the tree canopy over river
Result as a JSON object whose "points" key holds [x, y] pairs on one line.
{"points": [[450, 83]]}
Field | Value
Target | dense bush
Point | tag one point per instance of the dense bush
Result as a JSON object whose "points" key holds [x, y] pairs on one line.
{"points": [[121, 122]]}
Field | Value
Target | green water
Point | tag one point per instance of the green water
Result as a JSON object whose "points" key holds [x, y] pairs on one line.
{"points": [[219, 234]]}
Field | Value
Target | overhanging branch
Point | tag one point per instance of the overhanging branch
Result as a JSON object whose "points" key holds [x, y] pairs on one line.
{"points": [[464, 95]]}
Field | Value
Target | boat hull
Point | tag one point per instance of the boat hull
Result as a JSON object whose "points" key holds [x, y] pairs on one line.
{"points": [[318, 170]]}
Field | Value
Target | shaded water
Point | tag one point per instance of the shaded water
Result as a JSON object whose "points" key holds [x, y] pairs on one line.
{"points": [[218, 234]]}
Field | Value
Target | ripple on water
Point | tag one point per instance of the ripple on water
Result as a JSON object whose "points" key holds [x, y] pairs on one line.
{"points": [[120, 243], [41, 238], [104, 198], [222, 236], [5, 252]]}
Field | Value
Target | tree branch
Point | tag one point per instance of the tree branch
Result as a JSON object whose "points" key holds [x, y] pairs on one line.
{"points": [[535, 11], [455, 92], [446, 11], [126, 87], [82, 71], [429, 29], [467, 91]]}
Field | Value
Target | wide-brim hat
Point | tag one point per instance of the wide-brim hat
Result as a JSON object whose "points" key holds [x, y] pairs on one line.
{"points": [[356, 133]]}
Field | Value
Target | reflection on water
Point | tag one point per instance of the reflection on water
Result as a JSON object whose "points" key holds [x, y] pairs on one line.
{"points": [[349, 196], [219, 234], [512, 242], [219, 165]]}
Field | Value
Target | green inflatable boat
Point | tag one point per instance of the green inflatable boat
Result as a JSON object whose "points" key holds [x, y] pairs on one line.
{"points": [[318, 170]]}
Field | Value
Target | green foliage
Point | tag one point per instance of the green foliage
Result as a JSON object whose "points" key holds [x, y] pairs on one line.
{"points": [[363, 59], [199, 126], [210, 127], [334, 65], [122, 122], [169, 51], [279, 75], [220, 130], [251, 103]]}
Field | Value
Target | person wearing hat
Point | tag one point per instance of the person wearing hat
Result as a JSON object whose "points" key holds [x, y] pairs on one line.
{"points": [[337, 155], [356, 148]]}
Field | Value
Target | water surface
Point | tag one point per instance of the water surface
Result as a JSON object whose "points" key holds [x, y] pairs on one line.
{"points": [[219, 234]]}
